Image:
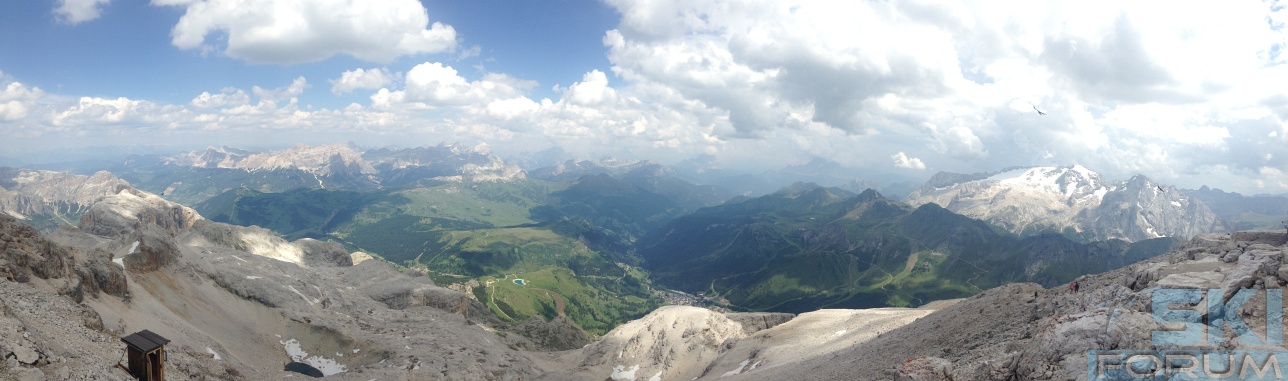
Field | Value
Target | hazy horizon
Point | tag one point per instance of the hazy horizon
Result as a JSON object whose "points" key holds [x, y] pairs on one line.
{"points": [[1189, 97]]}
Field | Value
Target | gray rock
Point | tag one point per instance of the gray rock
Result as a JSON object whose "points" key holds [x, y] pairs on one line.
{"points": [[131, 209], [324, 253], [28, 374], [26, 354], [924, 369], [1268, 237], [1231, 256], [1207, 243], [753, 322], [157, 248], [1252, 266]]}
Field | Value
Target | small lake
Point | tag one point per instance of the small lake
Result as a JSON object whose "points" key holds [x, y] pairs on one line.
{"points": [[519, 282]]}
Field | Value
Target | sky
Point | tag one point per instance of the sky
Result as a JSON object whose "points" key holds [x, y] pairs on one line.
{"points": [[1189, 93]]}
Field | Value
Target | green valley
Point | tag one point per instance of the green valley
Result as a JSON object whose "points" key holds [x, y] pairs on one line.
{"points": [[809, 247], [470, 233]]}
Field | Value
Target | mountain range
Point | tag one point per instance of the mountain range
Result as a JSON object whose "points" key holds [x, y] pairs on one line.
{"points": [[809, 247], [1074, 201], [603, 242], [234, 307]]}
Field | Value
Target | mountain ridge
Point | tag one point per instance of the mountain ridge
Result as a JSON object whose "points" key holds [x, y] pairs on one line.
{"points": [[1071, 200]]}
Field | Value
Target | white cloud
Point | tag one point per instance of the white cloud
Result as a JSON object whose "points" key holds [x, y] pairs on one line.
{"points": [[902, 160], [1193, 96], [287, 93], [472, 51], [226, 98], [78, 11], [351, 80], [295, 31], [1125, 90], [432, 85], [16, 100], [593, 89]]}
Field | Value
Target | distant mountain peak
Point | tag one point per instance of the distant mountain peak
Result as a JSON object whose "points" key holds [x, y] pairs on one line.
{"points": [[1068, 199]]}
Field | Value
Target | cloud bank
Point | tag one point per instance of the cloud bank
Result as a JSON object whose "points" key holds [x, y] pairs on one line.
{"points": [[1190, 96]]}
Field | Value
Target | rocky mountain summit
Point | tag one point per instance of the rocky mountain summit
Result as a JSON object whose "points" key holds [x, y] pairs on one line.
{"points": [[1072, 200]]}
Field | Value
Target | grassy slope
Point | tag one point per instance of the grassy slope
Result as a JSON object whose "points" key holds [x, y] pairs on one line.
{"points": [[460, 232]]}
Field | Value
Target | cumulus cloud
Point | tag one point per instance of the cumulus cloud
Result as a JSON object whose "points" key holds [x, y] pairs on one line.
{"points": [[433, 85], [295, 31], [78, 11], [355, 79], [1124, 91], [225, 98], [902, 160], [16, 99], [593, 89]]}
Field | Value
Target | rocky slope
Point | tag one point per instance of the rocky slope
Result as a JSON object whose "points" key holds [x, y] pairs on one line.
{"points": [[232, 314], [1026, 332], [1071, 200]]}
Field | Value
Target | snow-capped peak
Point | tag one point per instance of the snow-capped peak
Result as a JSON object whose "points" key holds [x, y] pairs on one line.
{"points": [[1070, 182]]}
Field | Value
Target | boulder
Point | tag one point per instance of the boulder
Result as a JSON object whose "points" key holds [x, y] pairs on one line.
{"points": [[25, 354]]}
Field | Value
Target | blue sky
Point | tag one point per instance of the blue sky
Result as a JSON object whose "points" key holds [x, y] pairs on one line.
{"points": [[1190, 96], [127, 50]]}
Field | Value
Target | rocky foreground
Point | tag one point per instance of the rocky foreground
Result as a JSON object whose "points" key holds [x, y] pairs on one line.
{"points": [[239, 303]]}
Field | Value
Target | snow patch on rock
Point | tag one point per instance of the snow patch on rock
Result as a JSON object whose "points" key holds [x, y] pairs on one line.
{"points": [[325, 365]]}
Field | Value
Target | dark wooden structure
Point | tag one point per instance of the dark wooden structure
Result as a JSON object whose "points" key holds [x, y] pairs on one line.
{"points": [[146, 353]]}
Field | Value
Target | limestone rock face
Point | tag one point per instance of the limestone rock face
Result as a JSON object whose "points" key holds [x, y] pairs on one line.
{"points": [[131, 209], [753, 322], [678, 339], [26, 255], [155, 249]]}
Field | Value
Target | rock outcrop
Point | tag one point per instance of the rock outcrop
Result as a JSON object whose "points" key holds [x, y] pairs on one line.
{"points": [[26, 256], [131, 209]]}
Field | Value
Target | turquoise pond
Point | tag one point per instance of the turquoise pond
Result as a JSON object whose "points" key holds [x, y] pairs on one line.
{"points": [[518, 282]]}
